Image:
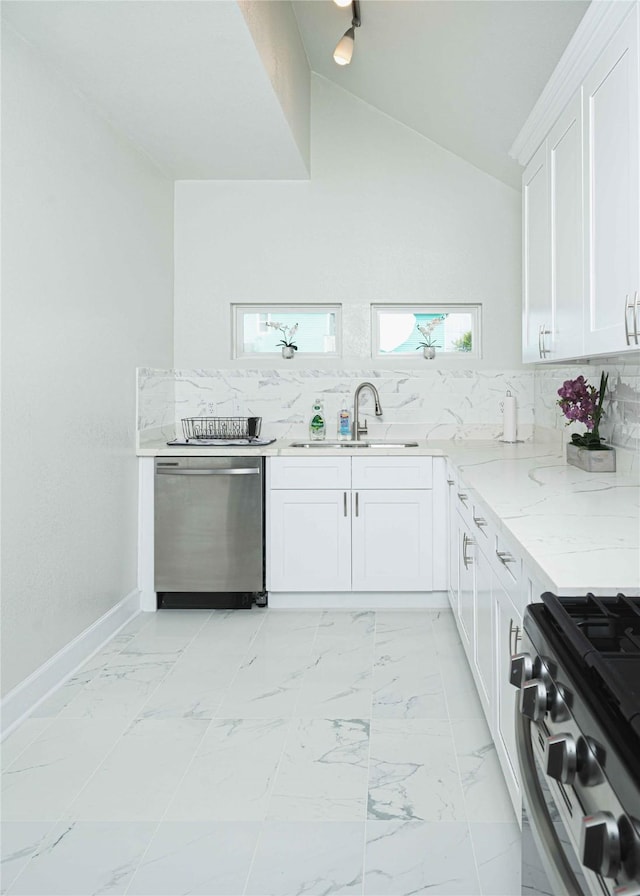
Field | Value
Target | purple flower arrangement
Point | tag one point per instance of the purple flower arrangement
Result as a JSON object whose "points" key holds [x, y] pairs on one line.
{"points": [[582, 403]]}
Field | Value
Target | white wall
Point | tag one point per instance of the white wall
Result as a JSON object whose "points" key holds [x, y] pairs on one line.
{"points": [[387, 216], [87, 296], [274, 30]]}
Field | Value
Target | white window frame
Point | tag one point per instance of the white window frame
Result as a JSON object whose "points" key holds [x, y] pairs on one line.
{"points": [[237, 340], [474, 309]]}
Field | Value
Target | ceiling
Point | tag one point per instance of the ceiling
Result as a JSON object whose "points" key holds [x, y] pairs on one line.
{"points": [[185, 81], [182, 79], [464, 73]]}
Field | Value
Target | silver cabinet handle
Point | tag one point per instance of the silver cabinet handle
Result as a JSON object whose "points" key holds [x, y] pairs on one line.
{"points": [[466, 541], [238, 471], [627, 307], [463, 498], [544, 332], [514, 631], [479, 521], [451, 482], [357, 505], [635, 318], [540, 340], [345, 503], [505, 557]]}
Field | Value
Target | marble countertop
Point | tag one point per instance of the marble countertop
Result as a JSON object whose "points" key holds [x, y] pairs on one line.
{"points": [[577, 531]]}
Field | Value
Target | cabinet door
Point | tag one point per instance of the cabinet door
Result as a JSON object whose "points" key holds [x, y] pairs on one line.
{"points": [[507, 629], [452, 541], [612, 162], [567, 268], [537, 321], [310, 540], [466, 584], [484, 632], [392, 540]]}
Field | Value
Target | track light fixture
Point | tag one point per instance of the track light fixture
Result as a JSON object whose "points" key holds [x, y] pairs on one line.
{"points": [[344, 50]]}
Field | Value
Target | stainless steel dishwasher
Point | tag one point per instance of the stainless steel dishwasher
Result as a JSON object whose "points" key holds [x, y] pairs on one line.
{"points": [[209, 525]]}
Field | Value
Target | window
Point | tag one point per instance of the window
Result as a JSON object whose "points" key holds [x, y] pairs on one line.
{"points": [[317, 334], [454, 329]]}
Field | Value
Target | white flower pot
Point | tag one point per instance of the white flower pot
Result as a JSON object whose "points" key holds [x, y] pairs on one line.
{"points": [[429, 352], [288, 352]]}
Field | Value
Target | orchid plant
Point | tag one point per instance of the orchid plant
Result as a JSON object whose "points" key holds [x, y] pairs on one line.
{"points": [[582, 403], [426, 331], [287, 334]]}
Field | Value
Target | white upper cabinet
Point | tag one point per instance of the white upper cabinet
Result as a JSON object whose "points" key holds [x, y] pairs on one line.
{"points": [[581, 196], [612, 164], [565, 207], [538, 310]]}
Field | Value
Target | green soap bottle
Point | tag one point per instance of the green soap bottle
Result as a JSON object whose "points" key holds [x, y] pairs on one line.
{"points": [[317, 423]]}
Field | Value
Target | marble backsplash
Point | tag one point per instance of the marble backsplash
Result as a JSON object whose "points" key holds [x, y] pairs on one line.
{"points": [[436, 404], [621, 407]]}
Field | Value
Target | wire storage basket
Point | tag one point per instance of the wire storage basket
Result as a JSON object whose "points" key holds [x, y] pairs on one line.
{"points": [[221, 427]]}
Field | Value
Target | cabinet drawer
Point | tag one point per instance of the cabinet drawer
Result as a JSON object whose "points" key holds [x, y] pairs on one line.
{"points": [[506, 562], [391, 472], [310, 472]]}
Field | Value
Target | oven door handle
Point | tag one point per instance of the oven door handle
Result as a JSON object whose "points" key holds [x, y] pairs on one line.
{"points": [[561, 877]]}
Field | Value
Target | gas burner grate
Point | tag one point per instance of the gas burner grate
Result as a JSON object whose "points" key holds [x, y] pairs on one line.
{"points": [[604, 633], [610, 625]]}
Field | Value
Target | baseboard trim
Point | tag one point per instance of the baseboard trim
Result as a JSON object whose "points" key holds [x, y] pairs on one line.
{"points": [[23, 699], [358, 600]]}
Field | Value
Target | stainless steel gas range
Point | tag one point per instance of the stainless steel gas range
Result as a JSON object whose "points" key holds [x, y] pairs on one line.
{"points": [[578, 734]]}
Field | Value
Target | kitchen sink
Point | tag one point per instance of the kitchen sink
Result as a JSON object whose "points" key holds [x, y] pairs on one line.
{"points": [[380, 443]]}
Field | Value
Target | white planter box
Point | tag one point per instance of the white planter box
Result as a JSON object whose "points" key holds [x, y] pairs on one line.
{"points": [[592, 461]]}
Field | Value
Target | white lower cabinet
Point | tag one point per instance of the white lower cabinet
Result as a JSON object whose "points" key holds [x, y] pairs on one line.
{"points": [[485, 587], [310, 540], [352, 539], [507, 628], [389, 531], [483, 655], [466, 585]]}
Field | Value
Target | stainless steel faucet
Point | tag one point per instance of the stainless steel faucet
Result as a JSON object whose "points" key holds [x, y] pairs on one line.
{"points": [[357, 429]]}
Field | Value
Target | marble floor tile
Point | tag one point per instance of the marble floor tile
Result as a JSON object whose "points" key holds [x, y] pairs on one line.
{"points": [[323, 771], [82, 858], [226, 634], [122, 687], [413, 773], [193, 688], [337, 684], [459, 687], [265, 686], [352, 626], [485, 792], [198, 858], [403, 858], [232, 773], [233, 752], [291, 630], [498, 854], [50, 772], [295, 858], [140, 775], [401, 631], [19, 841], [89, 671], [21, 737], [407, 686], [174, 622], [445, 629]]}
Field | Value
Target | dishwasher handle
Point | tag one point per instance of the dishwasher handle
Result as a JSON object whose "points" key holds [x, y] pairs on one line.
{"points": [[232, 471]]}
